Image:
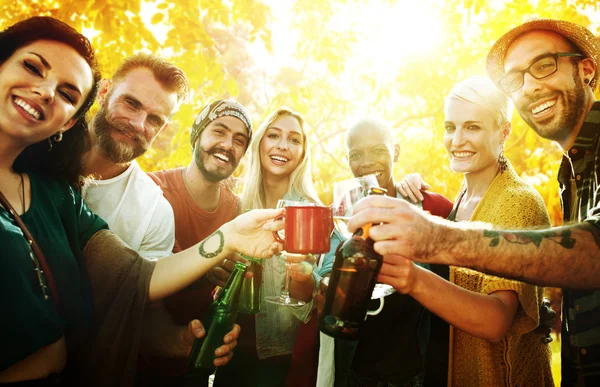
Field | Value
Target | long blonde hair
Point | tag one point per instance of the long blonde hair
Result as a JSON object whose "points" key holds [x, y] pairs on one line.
{"points": [[300, 186]]}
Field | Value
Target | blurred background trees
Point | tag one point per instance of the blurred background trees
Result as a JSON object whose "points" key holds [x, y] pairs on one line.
{"points": [[331, 60]]}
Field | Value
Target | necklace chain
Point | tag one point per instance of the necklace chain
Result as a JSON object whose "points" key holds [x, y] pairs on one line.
{"points": [[36, 263]]}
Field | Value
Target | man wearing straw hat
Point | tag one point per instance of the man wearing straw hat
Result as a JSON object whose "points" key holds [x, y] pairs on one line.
{"points": [[549, 68]]}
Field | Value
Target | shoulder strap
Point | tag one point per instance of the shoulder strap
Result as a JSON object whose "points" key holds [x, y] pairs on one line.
{"points": [[36, 250]]}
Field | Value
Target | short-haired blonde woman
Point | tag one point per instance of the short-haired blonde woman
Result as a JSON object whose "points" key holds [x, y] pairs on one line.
{"points": [[278, 168], [492, 338]]}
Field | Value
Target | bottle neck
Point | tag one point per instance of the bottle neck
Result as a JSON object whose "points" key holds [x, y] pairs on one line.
{"points": [[363, 232], [233, 285]]}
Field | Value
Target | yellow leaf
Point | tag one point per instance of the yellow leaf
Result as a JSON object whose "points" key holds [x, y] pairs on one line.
{"points": [[157, 18], [232, 87]]}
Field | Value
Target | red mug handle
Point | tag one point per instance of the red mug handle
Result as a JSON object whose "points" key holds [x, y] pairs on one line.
{"points": [[331, 224], [276, 235]]}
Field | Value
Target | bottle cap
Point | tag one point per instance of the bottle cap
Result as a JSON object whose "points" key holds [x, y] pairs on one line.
{"points": [[377, 191], [366, 228]]}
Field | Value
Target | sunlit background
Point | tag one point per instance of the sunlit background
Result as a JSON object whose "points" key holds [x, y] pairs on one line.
{"points": [[331, 60]]}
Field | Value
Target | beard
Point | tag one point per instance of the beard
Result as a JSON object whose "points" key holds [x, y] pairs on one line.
{"points": [[574, 106], [117, 152], [218, 173]]}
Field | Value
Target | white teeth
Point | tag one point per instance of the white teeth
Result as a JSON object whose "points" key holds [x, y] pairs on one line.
{"points": [[278, 158], [462, 154], [221, 157], [128, 135], [28, 108], [543, 107]]}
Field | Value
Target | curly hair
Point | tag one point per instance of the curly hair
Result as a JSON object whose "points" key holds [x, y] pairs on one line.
{"points": [[65, 159]]}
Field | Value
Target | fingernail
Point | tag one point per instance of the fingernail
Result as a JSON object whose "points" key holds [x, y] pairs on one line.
{"points": [[218, 352]]}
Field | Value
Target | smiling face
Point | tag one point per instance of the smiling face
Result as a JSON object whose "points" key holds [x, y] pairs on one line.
{"points": [[132, 112], [42, 86], [282, 147], [371, 150], [472, 137], [553, 106], [220, 147]]}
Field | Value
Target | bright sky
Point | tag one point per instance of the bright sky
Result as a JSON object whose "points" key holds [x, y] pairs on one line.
{"points": [[382, 28], [388, 33]]}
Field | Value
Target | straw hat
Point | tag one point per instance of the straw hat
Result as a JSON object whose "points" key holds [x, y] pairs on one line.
{"points": [[580, 36]]}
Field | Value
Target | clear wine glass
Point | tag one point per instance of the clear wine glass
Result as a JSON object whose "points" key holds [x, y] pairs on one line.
{"points": [[284, 298], [346, 194]]}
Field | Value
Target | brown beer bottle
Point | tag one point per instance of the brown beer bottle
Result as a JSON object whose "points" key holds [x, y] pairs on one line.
{"points": [[351, 284]]}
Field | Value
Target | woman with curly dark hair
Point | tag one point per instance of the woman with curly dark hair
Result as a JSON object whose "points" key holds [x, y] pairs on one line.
{"points": [[69, 288]]}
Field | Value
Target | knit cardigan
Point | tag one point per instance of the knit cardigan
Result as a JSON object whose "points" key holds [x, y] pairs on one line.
{"points": [[520, 358]]}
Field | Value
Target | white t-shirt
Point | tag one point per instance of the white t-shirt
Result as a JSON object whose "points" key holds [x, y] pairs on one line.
{"points": [[135, 209]]}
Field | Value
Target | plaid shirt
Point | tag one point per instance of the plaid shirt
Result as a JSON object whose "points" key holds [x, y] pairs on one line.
{"points": [[579, 178]]}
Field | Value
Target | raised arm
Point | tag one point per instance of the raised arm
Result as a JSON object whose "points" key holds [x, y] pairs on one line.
{"points": [[249, 233], [567, 256]]}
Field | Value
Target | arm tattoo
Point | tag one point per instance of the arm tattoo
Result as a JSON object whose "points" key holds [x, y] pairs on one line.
{"points": [[592, 228], [210, 240], [561, 237]]}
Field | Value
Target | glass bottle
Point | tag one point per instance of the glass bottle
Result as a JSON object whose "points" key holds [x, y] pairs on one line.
{"points": [[351, 284], [252, 287], [219, 321]]}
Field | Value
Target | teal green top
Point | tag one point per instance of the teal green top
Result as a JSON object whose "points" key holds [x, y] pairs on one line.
{"points": [[62, 225]]}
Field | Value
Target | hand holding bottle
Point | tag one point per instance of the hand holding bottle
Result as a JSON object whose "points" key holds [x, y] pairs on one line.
{"points": [[399, 272], [220, 273], [195, 330]]}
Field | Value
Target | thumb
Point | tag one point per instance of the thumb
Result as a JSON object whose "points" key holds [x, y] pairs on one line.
{"points": [[197, 329]]}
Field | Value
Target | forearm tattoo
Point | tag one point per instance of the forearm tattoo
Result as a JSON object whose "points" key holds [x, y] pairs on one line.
{"points": [[593, 228], [561, 237], [210, 243]]}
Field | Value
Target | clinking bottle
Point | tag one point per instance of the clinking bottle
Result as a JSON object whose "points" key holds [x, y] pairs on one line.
{"points": [[219, 321], [250, 294], [351, 284]]}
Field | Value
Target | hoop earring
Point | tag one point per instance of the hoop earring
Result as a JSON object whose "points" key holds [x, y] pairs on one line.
{"points": [[502, 161], [56, 137]]}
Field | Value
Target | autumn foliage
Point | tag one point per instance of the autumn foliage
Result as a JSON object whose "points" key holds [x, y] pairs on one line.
{"points": [[226, 49]]}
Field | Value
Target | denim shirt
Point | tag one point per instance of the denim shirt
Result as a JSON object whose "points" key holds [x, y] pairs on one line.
{"points": [[276, 325]]}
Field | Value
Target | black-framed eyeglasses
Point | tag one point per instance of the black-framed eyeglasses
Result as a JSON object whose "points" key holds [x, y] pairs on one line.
{"points": [[541, 68]]}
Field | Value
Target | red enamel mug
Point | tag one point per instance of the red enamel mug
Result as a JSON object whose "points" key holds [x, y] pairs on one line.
{"points": [[307, 229]]}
